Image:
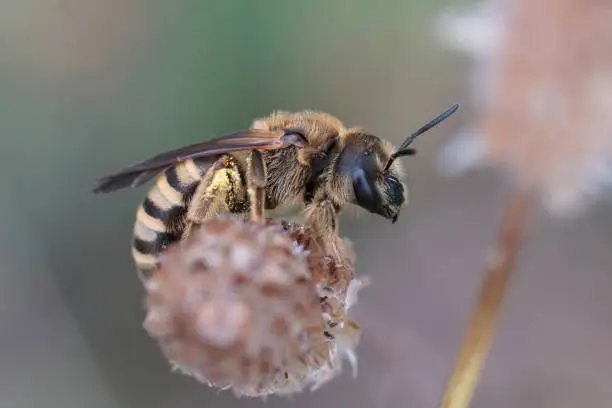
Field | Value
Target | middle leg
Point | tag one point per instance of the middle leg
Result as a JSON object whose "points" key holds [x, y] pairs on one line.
{"points": [[323, 216]]}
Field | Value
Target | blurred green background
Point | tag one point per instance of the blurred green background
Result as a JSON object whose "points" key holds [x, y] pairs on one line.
{"points": [[88, 87]]}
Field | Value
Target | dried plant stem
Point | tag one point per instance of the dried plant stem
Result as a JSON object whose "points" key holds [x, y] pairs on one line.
{"points": [[478, 337]]}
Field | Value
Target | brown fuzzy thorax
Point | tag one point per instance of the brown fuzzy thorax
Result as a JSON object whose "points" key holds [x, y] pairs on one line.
{"points": [[290, 169]]}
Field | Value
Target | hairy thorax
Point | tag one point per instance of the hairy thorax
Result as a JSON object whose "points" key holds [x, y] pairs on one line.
{"points": [[290, 170], [285, 178]]}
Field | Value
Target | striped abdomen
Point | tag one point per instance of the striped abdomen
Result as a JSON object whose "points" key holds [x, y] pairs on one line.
{"points": [[161, 216]]}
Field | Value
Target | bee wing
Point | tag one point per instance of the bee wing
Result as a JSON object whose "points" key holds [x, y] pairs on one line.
{"points": [[140, 173]]}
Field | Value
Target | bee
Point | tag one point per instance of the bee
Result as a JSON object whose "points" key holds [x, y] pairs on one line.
{"points": [[306, 158]]}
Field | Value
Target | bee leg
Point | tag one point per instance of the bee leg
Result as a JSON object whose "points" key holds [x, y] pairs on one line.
{"points": [[221, 190], [323, 216], [256, 176]]}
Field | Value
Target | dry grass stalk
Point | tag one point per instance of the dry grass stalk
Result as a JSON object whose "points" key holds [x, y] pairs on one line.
{"points": [[479, 333], [256, 307], [543, 99]]}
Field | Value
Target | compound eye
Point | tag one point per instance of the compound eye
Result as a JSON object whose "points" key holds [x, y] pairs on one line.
{"points": [[366, 193]]}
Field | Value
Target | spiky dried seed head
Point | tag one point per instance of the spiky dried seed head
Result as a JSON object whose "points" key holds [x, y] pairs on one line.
{"points": [[331, 263], [239, 305]]}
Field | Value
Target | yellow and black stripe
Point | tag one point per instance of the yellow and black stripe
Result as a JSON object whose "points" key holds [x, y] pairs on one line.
{"points": [[160, 217]]}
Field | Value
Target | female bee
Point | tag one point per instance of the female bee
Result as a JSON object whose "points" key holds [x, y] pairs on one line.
{"points": [[308, 158]]}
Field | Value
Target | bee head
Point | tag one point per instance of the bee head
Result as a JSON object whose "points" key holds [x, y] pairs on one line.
{"points": [[375, 175], [374, 188]]}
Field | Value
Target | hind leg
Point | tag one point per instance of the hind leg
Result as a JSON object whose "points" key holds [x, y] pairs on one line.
{"points": [[222, 190]]}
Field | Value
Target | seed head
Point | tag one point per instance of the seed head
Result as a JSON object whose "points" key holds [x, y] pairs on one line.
{"points": [[239, 305]]}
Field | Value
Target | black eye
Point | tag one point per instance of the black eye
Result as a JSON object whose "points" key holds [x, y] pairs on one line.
{"points": [[367, 194]]}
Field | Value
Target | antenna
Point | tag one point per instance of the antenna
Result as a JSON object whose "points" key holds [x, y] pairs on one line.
{"points": [[404, 150]]}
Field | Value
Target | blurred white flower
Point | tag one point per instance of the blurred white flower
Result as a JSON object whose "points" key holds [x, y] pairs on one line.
{"points": [[542, 94]]}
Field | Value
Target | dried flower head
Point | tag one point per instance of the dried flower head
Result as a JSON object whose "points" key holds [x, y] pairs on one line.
{"points": [[256, 307], [543, 95]]}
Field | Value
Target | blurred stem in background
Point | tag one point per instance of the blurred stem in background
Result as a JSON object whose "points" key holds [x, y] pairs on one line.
{"points": [[543, 116], [479, 334]]}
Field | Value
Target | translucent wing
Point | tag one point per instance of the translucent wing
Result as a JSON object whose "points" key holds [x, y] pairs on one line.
{"points": [[140, 173]]}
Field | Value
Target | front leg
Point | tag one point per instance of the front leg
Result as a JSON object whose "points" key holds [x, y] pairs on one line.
{"points": [[221, 190], [323, 216]]}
